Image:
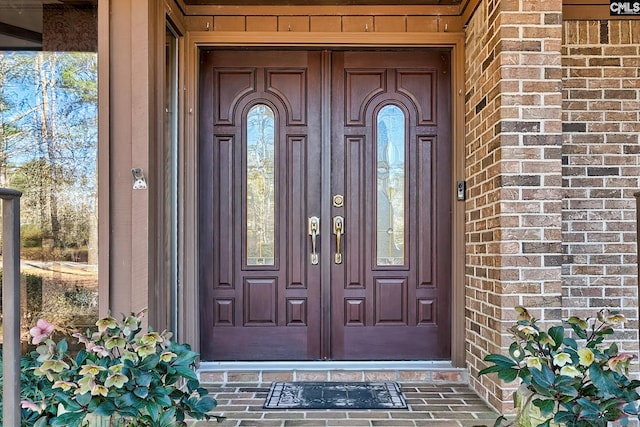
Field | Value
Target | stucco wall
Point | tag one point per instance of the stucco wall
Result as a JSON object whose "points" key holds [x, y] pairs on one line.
{"points": [[513, 170], [601, 169]]}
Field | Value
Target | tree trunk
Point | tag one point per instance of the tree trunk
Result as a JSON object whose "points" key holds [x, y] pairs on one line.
{"points": [[48, 129]]}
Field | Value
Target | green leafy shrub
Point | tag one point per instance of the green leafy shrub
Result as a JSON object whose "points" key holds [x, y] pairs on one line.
{"points": [[144, 379], [31, 236], [33, 289], [33, 284], [578, 382]]}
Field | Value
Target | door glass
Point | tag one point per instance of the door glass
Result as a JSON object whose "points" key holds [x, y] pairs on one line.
{"points": [[260, 186], [390, 143]]}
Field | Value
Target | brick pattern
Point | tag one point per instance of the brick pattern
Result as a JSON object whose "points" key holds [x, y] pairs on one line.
{"points": [[443, 405], [481, 115], [601, 169], [513, 169]]}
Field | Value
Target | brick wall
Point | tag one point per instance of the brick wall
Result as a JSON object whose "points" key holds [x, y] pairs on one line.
{"points": [[601, 168], [481, 115], [552, 163], [513, 168]]}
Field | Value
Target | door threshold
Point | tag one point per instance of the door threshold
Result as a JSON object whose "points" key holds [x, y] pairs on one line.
{"points": [[321, 365], [421, 372]]}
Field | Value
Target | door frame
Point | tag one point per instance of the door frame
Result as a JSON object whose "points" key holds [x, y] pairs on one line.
{"points": [[188, 295]]}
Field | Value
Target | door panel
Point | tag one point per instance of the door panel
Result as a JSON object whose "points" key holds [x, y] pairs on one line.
{"points": [[387, 283], [258, 151], [391, 157]]}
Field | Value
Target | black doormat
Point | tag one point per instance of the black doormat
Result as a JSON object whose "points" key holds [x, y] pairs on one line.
{"points": [[335, 395]]}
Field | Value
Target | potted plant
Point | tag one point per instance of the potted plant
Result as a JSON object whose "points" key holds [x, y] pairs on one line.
{"points": [[577, 381], [119, 377]]}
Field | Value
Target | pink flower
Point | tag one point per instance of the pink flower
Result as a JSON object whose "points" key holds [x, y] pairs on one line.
{"points": [[98, 349], [25, 404], [41, 331], [620, 363]]}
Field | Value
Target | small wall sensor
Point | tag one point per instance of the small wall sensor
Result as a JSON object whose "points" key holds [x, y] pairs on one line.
{"points": [[139, 182]]}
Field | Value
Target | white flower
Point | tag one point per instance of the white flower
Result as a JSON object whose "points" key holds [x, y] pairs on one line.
{"points": [[586, 357], [533, 362], [528, 330], [561, 359], [570, 371]]}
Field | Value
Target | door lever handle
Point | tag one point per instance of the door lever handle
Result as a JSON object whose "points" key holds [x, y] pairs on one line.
{"points": [[314, 231], [338, 230]]}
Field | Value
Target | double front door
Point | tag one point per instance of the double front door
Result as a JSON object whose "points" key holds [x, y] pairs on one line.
{"points": [[325, 205]]}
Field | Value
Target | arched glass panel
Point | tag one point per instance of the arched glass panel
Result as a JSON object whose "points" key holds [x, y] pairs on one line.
{"points": [[390, 211], [260, 186]]}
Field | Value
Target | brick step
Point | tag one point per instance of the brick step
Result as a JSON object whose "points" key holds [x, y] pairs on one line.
{"points": [[266, 372]]}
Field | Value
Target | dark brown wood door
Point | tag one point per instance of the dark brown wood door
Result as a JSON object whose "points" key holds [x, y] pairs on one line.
{"points": [[382, 290], [391, 162], [259, 179]]}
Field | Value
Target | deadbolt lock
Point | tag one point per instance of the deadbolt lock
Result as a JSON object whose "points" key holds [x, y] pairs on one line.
{"points": [[338, 201]]}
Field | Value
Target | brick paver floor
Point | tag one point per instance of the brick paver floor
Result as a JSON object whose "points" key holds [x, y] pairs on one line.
{"points": [[429, 405]]}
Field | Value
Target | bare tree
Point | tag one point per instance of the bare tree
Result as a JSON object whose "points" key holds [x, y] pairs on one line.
{"points": [[54, 144]]}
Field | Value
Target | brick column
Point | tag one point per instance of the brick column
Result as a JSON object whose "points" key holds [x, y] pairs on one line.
{"points": [[514, 173]]}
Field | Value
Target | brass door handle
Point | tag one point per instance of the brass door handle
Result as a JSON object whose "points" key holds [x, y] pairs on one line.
{"points": [[338, 230], [314, 231]]}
